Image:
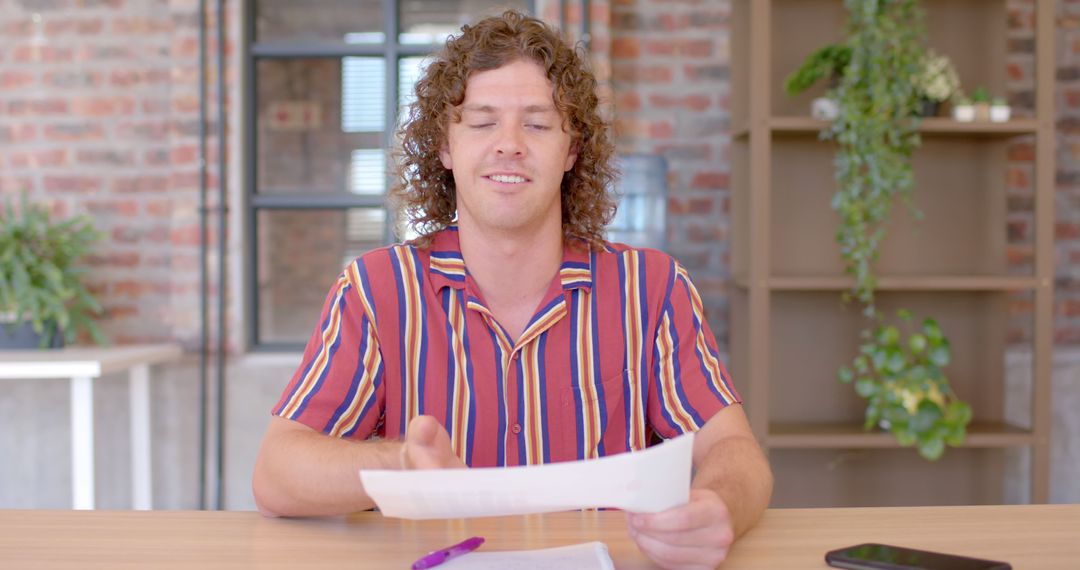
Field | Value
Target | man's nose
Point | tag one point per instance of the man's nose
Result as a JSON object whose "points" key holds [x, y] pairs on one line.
{"points": [[511, 142]]}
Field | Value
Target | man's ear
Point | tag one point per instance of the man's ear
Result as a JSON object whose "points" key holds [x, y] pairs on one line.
{"points": [[571, 158], [445, 158]]}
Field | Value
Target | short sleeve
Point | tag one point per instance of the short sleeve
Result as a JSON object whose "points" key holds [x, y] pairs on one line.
{"points": [[338, 388], [689, 383]]}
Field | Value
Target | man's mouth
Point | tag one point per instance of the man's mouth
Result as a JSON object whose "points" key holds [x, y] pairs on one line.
{"points": [[508, 178]]}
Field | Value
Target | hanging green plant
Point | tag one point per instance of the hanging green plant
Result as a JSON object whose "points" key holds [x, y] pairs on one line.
{"points": [[876, 132]]}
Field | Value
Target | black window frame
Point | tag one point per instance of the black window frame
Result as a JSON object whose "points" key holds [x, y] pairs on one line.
{"points": [[392, 50]]}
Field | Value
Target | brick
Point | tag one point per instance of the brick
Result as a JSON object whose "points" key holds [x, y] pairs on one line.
{"points": [[105, 157], [710, 180], [23, 108], [156, 157], [141, 235], [73, 26], [661, 130], [716, 72], [112, 207], [642, 73], [628, 102], [1022, 152], [12, 80], [42, 54], [77, 184], [1066, 230], [147, 26], [114, 259], [50, 158], [625, 48], [185, 155], [144, 183], [72, 132], [1017, 230], [158, 208], [681, 47], [73, 79], [1017, 178], [102, 106], [187, 235]]}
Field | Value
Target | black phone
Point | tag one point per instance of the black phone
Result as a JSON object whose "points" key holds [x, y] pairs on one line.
{"points": [[885, 557]]}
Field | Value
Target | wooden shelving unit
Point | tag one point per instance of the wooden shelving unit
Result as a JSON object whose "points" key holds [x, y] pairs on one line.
{"points": [[790, 329]]}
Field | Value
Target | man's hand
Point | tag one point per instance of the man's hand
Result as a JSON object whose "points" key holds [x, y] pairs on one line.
{"points": [[692, 536], [427, 446]]}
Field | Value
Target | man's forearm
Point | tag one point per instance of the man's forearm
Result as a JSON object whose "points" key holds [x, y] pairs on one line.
{"points": [[736, 469], [300, 472]]}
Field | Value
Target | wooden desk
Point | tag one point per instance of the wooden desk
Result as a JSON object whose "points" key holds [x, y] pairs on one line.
{"points": [[1043, 537], [82, 366]]}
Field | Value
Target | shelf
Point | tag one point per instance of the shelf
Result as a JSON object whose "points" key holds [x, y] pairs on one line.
{"points": [[851, 436], [915, 283], [934, 126]]}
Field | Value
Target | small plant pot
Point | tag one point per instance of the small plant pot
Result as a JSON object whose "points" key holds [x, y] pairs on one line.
{"points": [[964, 113], [23, 337], [1000, 113], [928, 108], [982, 111]]}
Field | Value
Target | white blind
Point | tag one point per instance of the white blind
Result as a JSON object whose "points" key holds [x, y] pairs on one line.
{"points": [[363, 95]]}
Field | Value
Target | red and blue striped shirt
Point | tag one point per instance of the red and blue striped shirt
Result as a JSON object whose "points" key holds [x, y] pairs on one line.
{"points": [[618, 350]]}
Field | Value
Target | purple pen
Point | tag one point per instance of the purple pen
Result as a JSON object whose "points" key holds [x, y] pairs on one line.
{"points": [[433, 559]]}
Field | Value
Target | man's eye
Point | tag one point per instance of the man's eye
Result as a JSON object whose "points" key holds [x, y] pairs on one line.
{"points": [[538, 127], [480, 125]]}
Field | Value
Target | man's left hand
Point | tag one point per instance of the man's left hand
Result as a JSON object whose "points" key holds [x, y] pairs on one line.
{"points": [[692, 536]]}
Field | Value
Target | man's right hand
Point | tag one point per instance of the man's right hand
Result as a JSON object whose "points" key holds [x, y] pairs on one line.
{"points": [[427, 446]]}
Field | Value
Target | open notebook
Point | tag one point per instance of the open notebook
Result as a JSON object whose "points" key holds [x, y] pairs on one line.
{"points": [[584, 556]]}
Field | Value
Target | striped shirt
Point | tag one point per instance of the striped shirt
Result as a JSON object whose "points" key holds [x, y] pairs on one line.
{"points": [[618, 350]]}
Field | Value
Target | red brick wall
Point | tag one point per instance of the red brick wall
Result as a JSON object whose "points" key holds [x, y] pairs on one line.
{"points": [[98, 115], [670, 66]]}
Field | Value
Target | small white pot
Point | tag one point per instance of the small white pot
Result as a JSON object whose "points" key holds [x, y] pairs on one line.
{"points": [[963, 113], [1000, 113]]}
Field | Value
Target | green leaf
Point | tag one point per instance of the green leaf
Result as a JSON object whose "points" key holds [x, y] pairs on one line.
{"points": [[932, 449], [939, 356], [846, 375], [865, 387], [917, 343]]}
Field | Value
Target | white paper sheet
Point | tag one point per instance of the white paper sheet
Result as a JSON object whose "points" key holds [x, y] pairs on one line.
{"points": [[584, 556], [646, 481]]}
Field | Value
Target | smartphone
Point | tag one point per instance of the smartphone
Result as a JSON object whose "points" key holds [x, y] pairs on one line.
{"points": [[885, 557]]}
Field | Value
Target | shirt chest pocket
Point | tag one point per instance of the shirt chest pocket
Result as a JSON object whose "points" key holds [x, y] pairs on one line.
{"points": [[586, 413]]}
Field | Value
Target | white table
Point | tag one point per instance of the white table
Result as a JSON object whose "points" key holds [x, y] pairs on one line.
{"points": [[83, 365]]}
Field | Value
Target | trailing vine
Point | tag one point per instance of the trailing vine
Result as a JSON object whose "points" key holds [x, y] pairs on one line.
{"points": [[900, 371]]}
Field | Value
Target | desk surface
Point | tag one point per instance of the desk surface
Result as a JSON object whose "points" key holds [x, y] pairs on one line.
{"points": [[1030, 537], [82, 361]]}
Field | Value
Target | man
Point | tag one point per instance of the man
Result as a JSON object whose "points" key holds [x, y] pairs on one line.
{"points": [[510, 333]]}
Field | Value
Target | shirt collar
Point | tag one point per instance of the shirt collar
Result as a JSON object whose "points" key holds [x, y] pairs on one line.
{"points": [[447, 267]]}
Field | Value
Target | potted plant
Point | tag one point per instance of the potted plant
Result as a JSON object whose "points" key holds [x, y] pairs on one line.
{"points": [[877, 131], [828, 61], [1000, 110], [935, 82], [963, 110], [43, 301], [980, 100]]}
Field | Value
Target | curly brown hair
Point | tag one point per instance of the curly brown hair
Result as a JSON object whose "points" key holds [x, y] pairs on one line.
{"points": [[425, 189]]}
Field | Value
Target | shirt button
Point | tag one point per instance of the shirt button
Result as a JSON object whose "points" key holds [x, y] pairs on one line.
{"points": [[514, 356], [516, 428]]}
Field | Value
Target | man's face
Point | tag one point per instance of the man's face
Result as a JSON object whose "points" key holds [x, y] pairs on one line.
{"points": [[508, 153]]}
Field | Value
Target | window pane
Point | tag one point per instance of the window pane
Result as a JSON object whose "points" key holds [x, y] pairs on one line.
{"points": [[301, 252], [431, 21], [409, 71], [351, 21], [313, 116]]}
